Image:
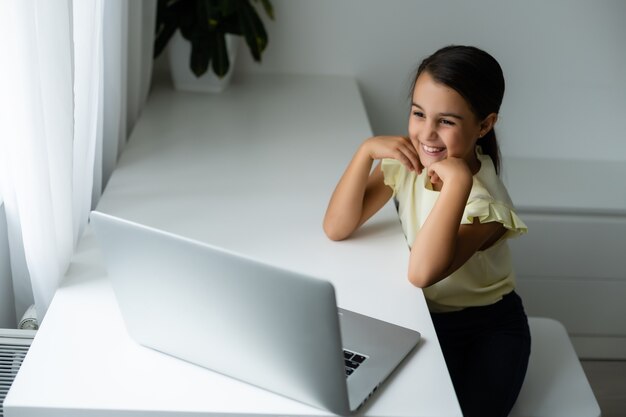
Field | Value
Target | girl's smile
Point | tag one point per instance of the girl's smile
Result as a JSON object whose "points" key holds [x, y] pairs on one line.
{"points": [[442, 124], [437, 152]]}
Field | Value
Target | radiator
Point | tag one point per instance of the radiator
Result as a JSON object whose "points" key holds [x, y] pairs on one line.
{"points": [[14, 345]]}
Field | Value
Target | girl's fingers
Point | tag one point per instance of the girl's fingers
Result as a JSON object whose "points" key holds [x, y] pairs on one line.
{"points": [[409, 159], [434, 179], [415, 160], [399, 148], [404, 160]]}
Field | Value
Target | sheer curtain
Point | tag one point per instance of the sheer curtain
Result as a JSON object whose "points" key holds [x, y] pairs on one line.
{"points": [[73, 76]]}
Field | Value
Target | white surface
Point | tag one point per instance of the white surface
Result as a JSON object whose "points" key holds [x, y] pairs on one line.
{"points": [[555, 385], [251, 170]]}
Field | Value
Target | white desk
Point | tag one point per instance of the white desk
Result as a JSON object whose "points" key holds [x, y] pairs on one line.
{"points": [[251, 170]]}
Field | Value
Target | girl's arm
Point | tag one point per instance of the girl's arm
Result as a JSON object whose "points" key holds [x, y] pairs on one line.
{"points": [[359, 193], [443, 245]]}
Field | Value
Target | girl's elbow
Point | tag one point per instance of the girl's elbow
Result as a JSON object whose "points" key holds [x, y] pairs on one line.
{"points": [[419, 281], [334, 233], [423, 278], [338, 227]]}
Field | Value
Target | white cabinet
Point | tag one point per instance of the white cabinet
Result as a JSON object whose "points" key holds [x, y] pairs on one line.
{"points": [[572, 264]]}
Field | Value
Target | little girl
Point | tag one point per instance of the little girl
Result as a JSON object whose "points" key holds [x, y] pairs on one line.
{"points": [[457, 216]]}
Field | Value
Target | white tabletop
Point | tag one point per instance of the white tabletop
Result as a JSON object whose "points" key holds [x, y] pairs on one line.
{"points": [[251, 170]]}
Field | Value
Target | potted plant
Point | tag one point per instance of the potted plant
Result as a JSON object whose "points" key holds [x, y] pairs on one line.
{"points": [[205, 35]]}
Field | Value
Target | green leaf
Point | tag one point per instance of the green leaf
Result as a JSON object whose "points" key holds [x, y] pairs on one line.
{"points": [[227, 7], [167, 20], [269, 9], [231, 24], [197, 32], [187, 19], [253, 30], [161, 39], [220, 60], [200, 55]]}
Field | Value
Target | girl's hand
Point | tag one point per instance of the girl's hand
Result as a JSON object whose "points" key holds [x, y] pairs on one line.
{"points": [[394, 147], [450, 170]]}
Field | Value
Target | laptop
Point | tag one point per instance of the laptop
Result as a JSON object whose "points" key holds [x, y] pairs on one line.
{"points": [[267, 326]]}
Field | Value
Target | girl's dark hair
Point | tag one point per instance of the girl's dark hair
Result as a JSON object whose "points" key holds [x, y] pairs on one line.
{"points": [[477, 77]]}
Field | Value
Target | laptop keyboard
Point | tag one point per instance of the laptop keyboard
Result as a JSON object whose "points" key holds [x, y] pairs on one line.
{"points": [[352, 361]]}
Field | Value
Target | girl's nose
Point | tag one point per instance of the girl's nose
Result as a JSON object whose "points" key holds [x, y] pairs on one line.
{"points": [[429, 131]]}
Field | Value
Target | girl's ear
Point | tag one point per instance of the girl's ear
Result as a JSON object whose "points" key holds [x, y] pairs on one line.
{"points": [[487, 124]]}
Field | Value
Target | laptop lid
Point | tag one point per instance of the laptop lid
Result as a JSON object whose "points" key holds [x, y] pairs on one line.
{"points": [[264, 325]]}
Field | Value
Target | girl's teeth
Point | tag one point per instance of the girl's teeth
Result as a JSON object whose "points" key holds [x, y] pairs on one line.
{"points": [[432, 149]]}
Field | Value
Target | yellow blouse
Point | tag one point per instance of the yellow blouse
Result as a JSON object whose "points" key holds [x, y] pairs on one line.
{"points": [[487, 275]]}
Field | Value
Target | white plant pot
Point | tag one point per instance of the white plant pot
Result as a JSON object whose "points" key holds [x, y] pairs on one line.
{"points": [[179, 53]]}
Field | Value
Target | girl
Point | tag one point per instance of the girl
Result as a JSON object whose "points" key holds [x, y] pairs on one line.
{"points": [[457, 216]]}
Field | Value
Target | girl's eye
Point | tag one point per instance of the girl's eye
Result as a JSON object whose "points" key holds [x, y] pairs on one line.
{"points": [[418, 114], [447, 122]]}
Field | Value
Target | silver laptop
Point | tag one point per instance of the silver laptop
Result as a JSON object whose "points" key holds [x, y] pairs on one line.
{"points": [[273, 328]]}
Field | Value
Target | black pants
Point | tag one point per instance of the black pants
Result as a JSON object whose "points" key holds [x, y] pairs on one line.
{"points": [[486, 351]]}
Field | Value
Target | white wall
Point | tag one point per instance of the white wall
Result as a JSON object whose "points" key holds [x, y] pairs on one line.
{"points": [[564, 62]]}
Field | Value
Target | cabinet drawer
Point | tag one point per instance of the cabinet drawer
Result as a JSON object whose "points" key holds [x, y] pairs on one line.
{"points": [[571, 246], [592, 307]]}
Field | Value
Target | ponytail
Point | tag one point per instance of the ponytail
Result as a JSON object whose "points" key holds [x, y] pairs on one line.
{"points": [[489, 146]]}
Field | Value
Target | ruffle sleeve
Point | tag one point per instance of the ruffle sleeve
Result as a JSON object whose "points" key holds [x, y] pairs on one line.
{"points": [[486, 210], [392, 170]]}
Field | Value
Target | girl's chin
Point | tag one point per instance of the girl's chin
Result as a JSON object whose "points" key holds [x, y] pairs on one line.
{"points": [[427, 159]]}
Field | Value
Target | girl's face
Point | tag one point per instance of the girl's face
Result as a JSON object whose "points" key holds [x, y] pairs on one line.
{"points": [[442, 124]]}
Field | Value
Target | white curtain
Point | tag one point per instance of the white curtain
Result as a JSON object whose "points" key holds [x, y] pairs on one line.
{"points": [[73, 78]]}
